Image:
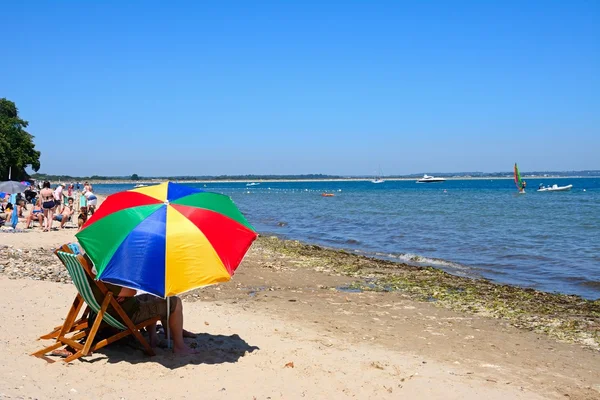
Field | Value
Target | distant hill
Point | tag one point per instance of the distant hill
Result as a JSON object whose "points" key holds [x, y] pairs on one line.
{"points": [[135, 177]]}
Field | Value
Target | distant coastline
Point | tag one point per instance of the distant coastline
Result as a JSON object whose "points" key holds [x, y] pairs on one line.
{"points": [[135, 179], [158, 180]]}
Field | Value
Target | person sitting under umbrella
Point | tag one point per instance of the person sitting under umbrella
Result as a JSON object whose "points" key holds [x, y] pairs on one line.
{"points": [[145, 306]]}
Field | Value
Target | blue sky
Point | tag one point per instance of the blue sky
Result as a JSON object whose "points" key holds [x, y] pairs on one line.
{"points": [[195, 88]]}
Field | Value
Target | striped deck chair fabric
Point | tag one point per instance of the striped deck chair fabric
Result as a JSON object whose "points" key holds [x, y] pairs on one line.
{"points": [[80, 281]]}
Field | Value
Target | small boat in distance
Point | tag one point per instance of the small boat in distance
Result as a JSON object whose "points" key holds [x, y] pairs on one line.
{"points": [[327, 194], [139, 185], [252, 183], [554, 188], [430, 179], [378, 178]]}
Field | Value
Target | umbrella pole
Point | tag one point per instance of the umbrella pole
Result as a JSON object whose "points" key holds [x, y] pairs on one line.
{"points": [[168, 329]]}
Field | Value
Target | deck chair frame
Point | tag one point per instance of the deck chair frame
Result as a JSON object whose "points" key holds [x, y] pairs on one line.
{"points": [[82, 322], [72, 331]]}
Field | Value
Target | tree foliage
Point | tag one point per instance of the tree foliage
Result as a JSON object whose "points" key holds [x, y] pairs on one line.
{"points": [[17, 150], [135, 177]]}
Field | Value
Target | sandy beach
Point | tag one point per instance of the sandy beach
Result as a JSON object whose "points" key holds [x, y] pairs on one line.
{"points": [[282, 329]]}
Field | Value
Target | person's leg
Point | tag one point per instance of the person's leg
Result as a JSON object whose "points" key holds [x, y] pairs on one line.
{"points": [[46, 212], [186, 333], [152, 334], [50, 219], [176, 326], [64, 219], [28, 221], [152, 306]]}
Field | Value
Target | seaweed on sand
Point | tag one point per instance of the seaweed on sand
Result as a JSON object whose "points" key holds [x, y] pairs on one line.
{"points": [[567, 318]]}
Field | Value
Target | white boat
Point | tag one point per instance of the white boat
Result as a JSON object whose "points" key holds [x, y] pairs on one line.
{"points": [[139, 185], [378, 178], [554, 188], [252, 183], [430, 179]]}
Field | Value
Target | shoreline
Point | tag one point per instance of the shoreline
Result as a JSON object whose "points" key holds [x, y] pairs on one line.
{"points": [[417, 261], [565, 317]]}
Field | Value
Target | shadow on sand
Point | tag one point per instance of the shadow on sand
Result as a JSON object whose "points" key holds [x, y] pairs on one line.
{"points": [[214, 349]]}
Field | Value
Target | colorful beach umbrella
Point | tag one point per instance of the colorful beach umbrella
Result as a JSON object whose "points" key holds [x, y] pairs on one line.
{"points": [[166, 239]]}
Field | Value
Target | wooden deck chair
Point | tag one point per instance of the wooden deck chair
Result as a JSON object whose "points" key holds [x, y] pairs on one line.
{"points": [[81, 273], [82, 322]]}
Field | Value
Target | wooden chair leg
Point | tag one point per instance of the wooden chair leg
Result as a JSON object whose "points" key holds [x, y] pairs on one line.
{"points": [[132, 328], [60, 343], [97, 322], [66, 328], [73, 312], [78, 325], [122, 334]]}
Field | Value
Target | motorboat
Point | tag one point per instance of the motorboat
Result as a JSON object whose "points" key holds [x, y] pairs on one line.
{"points": [[139, 185], [555, 188], [430, 179], [378, 177], [252, 183]]}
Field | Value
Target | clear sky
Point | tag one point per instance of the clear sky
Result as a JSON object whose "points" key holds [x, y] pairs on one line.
{"points": [[286, 87]]}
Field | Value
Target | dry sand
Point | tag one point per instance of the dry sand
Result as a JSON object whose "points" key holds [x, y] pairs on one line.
{"points": [[342, 345]]}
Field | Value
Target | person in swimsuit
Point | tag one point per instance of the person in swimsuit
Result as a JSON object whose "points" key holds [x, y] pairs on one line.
{"points": [[58, 196], [47, 197], [36, 214], [92, 201], [67, 213]]}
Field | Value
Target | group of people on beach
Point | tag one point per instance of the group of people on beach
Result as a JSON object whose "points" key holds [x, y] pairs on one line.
{"points": [[49, 205], [58, 204]]}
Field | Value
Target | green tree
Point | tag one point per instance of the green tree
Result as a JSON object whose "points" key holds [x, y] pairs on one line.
{"points": [[17, 150], [135, 177]]}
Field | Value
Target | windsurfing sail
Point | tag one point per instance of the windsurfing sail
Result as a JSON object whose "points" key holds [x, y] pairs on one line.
{"points": [[518, 180]]}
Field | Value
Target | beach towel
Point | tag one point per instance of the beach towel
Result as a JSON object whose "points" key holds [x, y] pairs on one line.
{"points": [[14, 219]]}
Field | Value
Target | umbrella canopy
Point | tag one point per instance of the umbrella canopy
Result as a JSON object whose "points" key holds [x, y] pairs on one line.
{"points": [[166, 239], [12, 187]]}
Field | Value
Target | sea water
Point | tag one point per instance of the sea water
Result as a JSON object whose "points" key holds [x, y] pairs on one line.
{"points": [[478, 228]]}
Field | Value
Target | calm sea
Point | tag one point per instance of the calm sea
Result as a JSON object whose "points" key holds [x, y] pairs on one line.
{"points": [[478, 228]]}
